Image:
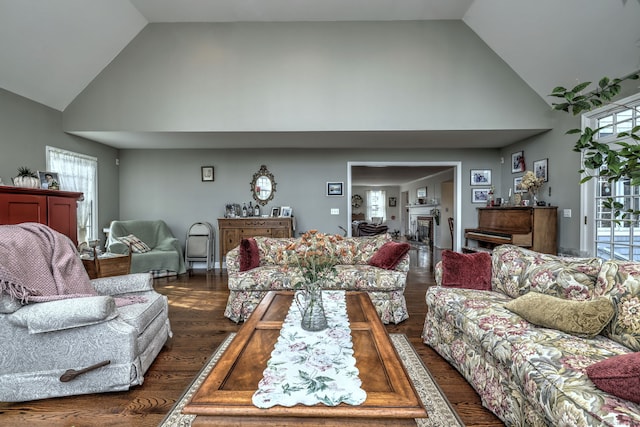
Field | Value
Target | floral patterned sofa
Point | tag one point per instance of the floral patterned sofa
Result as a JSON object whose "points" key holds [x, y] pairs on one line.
{"points": [[354, 273], [530, 375]]}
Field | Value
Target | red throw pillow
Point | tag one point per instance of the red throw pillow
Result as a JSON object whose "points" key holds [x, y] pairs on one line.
{"points": [[249, 255], [618, 375], [471, 271], [389, 255]]}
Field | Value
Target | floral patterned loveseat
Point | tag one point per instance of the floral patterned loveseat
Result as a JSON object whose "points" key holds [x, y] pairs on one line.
{"points": [[384, 286], [530, 375]]}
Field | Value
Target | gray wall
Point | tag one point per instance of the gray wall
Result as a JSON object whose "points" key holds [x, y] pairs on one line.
{"points": [[27, 127], [311, 76]]}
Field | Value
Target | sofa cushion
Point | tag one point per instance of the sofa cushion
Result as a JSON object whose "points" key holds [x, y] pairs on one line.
{"points": [[471, 271], [389, 255], [137, 245], [249, 255], [618, 375], [581, 318], [620, 281], [517, 271]]}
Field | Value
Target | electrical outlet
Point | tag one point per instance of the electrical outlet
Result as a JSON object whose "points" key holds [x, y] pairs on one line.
{"points": [[335, 211]]}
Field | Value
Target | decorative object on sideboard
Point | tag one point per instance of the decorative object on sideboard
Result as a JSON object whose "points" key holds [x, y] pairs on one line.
{"points": [[263, 186], [532, 184], [49, 180], [26, 178]]}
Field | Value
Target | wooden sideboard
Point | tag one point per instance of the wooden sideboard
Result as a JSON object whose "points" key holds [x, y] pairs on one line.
{"points": [[55, 208], [233, 230]]}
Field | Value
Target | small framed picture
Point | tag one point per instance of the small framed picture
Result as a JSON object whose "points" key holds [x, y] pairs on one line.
{"points": [[206, 173], [335, 188], [421, 192], [516, 185], [285, 211], [480, 176], [49, 180], [393, 201], [517, 162], [275, 212], [479, 195], [541, 169]]}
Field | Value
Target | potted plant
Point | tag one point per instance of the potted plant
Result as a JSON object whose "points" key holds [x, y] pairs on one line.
{"points": [[615, 161], [26, 178]]}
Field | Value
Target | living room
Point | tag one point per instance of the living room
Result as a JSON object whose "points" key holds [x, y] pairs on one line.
{"points": [[306, 99], [304, 137]]}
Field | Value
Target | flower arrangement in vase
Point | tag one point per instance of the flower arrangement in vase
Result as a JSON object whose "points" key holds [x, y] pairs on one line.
{"points": [[531, 183]]}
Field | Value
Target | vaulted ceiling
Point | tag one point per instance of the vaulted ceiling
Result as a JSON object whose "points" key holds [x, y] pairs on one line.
{"points": [[51, 50]]}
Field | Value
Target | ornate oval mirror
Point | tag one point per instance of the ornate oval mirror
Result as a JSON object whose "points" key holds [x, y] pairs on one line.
{"points": [[263, 186]]}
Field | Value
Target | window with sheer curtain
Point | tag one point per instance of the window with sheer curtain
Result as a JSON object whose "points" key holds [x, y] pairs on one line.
{"points": [[376, 205], [78, 172]]}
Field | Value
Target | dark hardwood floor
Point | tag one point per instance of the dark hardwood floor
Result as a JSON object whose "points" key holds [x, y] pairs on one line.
{"points": [[197, 303]]}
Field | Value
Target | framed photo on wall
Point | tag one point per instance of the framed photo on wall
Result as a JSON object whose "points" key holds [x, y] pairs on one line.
{"points": [[421, 192], [206, 173], [517, 162], [335, 189], [479, 195], [541, 169], [480, 176], [393, 201]]}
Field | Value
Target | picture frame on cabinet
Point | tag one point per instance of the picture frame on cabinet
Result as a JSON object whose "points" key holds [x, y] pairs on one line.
{"points": [[516, 185], [275, 212], [480, 195], [49, 180], [480, 176], [285, 211]]}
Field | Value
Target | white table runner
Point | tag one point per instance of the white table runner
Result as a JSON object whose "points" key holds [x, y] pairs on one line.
{"points": [[312, 367]]}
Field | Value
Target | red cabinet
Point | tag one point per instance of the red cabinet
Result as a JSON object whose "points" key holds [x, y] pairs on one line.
{"points": [[57, 209]]}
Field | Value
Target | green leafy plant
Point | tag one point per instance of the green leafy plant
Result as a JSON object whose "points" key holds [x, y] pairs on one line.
{"points": [[614, 161], [24, 171]]}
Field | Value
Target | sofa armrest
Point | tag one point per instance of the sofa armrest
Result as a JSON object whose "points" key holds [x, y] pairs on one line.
{"points": [[64, 314], [438, 273], [116, 285], [233, 260]]}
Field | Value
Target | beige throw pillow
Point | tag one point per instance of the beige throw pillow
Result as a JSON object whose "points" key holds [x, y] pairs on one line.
{"points": [[581, 318]]}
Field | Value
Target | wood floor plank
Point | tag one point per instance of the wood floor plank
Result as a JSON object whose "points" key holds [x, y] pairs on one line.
{"points": [[197, 304]]}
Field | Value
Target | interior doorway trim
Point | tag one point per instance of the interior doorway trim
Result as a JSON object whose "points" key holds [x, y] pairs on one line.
{"points": [[457, 189]]}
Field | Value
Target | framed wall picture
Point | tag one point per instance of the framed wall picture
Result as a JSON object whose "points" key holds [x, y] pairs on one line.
{"points": [[479, 195], [541, 169], [285, 211], [393, 201], [421, 192], [49, 180], [480, 176], [516, 185], [206, 173], [335, 188], [517, 162]]}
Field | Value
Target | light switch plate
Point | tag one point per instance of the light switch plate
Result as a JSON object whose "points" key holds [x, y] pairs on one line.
{"points": [[566, 213], [335, 211]]}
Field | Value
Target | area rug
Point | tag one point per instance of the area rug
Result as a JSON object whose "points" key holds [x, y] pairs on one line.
{"points": [[438, 407]]}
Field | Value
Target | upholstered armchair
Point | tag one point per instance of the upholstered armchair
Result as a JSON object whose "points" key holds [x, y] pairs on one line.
{"points": [[48, 345], [154, 247]]}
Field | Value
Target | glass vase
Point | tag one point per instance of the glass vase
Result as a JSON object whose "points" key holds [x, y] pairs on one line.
{"points": [[309, 303]]}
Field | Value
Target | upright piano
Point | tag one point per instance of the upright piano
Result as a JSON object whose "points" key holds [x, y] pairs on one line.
{"points": [[530, 227]]}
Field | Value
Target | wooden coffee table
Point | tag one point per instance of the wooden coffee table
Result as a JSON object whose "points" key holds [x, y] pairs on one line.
{"points": [[224, 398]]}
